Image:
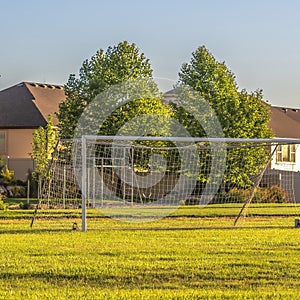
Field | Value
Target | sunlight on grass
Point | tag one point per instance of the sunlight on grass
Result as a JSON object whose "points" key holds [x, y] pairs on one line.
{"points": [[172, 258]]}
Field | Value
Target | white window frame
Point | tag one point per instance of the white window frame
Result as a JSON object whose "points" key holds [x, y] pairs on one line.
{"points": [[286, 154]]}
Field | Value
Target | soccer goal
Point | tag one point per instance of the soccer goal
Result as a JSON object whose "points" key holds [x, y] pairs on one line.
{"points": [[138, 179]]}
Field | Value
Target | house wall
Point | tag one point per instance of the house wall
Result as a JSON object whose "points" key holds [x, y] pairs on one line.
{"points": [[288, 174], [18, 148], [22, 167], [297, 186], [19, 143]]}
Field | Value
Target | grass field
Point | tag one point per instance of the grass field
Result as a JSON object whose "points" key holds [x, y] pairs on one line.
{"points": [[189, 255]]}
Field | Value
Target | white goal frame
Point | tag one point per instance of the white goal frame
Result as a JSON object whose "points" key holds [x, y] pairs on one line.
{"points": [[222, 141]]}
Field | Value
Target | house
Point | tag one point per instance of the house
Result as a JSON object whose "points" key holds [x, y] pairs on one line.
{"points": [[285, 163], [285, 123], [23, 108]]}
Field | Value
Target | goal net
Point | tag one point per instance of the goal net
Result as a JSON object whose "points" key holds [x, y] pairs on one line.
{"points": [[141, 178]]}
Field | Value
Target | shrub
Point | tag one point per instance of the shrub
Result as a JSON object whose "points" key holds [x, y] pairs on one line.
{"points": [[234, 195], [8, 177], [1, 163], [272, 194], [18, 191], [24, 205]]}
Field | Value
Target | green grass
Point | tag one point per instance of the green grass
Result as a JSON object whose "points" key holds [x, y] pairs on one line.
{"points": [[173, 258], [144, 213]]}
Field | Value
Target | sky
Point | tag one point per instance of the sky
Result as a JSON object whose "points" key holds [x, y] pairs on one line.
{"points": [[259, 40]]}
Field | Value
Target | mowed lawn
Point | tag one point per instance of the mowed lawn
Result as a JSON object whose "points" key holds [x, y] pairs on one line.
{"points": [[172, 258]]}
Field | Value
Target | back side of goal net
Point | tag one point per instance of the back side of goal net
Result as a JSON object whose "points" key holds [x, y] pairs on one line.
{"points": [[113, 173]]}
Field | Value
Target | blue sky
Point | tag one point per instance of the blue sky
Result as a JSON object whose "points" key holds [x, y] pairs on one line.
{"points": [[46, 41]]}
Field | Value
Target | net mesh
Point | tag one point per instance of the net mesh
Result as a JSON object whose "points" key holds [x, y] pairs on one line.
{"points": [[168, 174], [60, 185]]}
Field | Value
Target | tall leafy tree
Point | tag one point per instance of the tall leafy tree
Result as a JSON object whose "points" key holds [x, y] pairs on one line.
{"points": [[44, 141], [105, 69], [241, 114]]}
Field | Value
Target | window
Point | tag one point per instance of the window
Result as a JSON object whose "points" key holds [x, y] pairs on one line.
{"points": [[2, 142], [286, 153]]}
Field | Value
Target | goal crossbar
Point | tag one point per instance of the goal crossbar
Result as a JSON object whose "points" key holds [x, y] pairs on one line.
{"points": [[192, 139]]}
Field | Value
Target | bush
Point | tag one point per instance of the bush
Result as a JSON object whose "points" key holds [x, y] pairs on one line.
{"points": [[8, 177], [18, 191], [24, 205], [272, 194], [234, 195], [1, 163]]}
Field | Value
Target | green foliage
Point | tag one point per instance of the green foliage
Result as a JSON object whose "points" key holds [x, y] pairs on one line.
{"points": [[44, 141], [241, 114], [18, 191], [272, 194], [1, 163], [105, 69], [146, 110], [3, 206], [215, 83], [33, 184], [7, 176], [25, 205]]}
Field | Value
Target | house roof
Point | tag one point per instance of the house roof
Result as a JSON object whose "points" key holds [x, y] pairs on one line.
{"points": [[28, 104], [285, 122]]}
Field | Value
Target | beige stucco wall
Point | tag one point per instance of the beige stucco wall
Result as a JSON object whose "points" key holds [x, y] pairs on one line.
{"points": [[19, 142], [18, 148]]}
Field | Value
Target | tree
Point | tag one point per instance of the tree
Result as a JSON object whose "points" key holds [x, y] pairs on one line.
{"points": [[238, 112], [7, 176], [43, 145], [241, 114], [105, 69]]}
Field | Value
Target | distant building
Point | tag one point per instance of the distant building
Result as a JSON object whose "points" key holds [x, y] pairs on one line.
{"points": [[23, 108], [285, 123], [284, 168]]}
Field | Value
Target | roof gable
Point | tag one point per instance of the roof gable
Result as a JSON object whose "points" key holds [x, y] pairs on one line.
{"points": [[285, 122], [47, 98], [28, 105]]}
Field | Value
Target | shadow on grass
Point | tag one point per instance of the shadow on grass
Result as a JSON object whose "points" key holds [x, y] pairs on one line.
{"points": [[34, 231], [111, 281]]}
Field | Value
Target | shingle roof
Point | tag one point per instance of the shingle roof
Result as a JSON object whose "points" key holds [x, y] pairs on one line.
{"points": [[28, 104], [285, 122]]}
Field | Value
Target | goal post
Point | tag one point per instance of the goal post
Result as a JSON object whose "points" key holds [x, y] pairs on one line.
{"points": [[138, 179]]}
